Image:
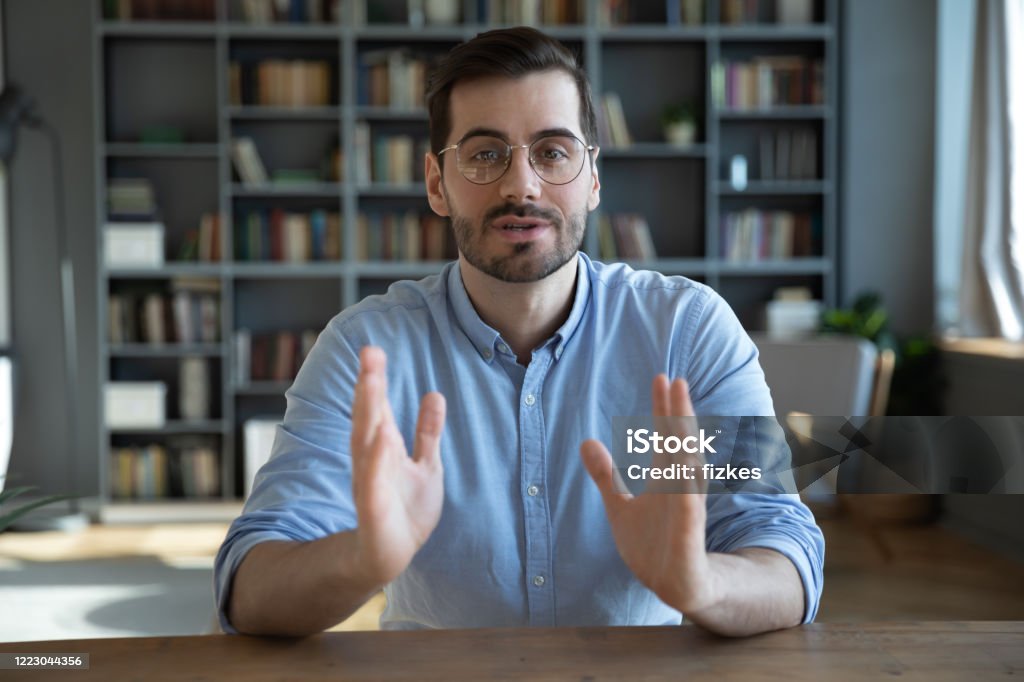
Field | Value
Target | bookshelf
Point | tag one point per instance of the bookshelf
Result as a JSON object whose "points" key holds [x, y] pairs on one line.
{"points": [[176, 90]]}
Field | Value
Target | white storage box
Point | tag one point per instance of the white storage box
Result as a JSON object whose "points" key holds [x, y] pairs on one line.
{"points": [[135, 404], [792, 319], [133, 245]]}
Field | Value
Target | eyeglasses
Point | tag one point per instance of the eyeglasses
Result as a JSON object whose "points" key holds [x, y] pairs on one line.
{"points": [[557, 159]]}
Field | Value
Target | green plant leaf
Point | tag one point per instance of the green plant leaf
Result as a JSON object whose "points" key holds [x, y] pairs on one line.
{"points": [[11, 493], [10, 517]]}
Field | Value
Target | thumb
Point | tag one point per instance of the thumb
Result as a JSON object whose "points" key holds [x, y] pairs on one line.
{"points": [[599, 465]]}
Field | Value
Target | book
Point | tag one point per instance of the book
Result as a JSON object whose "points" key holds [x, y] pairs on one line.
{"points": [[247, 161], [616, 118]]}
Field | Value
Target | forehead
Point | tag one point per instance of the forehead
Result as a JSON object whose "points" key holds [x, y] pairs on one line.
{"points": [[519, 107]]}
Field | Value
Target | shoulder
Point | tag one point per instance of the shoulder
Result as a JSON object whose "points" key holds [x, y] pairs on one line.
{"points": [[406, 305], [653, 293]]}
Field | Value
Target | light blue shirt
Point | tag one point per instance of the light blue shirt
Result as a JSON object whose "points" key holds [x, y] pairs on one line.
{"points": [[523, 537]]}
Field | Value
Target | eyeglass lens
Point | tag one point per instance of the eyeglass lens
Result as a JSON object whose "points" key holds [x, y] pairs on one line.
{"points": [[558, 159]]}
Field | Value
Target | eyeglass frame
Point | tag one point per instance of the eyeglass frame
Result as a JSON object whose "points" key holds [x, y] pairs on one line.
{"points": [[512, 147]]}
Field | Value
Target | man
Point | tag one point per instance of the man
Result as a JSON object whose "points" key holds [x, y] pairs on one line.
{"points": [[520, 354]]}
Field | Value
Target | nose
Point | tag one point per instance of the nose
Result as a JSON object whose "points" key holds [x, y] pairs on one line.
{"points": [[520, 182]]}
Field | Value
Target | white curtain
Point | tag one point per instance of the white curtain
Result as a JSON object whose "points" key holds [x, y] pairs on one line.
{"points": [[992, 294]]}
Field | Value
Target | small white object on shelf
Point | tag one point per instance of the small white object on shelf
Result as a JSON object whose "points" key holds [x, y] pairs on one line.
{"points": [[133, 245], [794, 12], [259, 434], [135, 404], [738, 172], [789, 319], [792, 314]]}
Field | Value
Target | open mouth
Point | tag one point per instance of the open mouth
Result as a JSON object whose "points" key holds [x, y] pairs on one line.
{"points": [[513, 223]]}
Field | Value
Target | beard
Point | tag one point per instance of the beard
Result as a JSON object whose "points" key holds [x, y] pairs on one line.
{"points": [[524, 261]]}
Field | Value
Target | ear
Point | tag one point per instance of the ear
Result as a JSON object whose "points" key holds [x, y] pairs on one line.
{"points": [[435, 180], [595, 190]]}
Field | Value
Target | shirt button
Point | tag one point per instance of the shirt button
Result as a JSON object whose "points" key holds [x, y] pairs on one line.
{"points": [[538, 580], [532, 491], [530, 399], [487, 355], [502, 348]]}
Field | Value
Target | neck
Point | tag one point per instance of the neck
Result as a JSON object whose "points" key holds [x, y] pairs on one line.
{"points": [[525, 314]]}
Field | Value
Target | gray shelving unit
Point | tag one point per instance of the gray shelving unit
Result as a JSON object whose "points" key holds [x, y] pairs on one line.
{"points": [[154, 72]]}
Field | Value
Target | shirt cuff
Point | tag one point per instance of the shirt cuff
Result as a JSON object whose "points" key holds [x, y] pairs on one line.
{"points": [[803, 556], [228, 560]]}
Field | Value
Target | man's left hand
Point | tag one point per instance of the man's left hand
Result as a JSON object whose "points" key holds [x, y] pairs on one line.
{"points": [[660, 535]]}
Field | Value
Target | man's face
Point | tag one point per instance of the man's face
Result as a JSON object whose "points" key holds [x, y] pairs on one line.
{"points": [[518, 228]]}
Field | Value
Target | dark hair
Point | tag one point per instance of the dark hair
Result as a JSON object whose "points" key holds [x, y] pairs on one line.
{"points": [[512, 53]]}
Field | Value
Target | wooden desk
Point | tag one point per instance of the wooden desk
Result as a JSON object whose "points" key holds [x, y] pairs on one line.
{"points": [[909, 651]]}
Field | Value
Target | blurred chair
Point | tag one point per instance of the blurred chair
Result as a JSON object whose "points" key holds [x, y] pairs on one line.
{"points": [[838, 376], [826, 375]]}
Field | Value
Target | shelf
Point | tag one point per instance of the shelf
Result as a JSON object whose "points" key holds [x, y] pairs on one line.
{"points": [[416, 190], [654, 150], [656, 33], [159, 29], [263, 388], [390, 114], [192, 150], [776, 188], [398, 269], [281, 31], [795, 266], [276, 269], [265, 113], [169, 350], [174, 428], [169, 270], [405, 33], [775, 32], [326, 190], [182, 510], [794, 113]]}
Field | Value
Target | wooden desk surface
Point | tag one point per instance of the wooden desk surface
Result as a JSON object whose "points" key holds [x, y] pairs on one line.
{"points": [[909, 651]]}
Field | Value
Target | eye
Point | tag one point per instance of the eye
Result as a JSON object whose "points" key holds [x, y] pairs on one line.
{"points": [[483, 151], [553, 150], [486, 156]]}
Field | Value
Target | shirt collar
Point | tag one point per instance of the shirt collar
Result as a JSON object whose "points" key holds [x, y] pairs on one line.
{"points": [[484, 338]]}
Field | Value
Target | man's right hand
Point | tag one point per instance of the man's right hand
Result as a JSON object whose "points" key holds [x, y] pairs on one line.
{"points": [[398, 498]]}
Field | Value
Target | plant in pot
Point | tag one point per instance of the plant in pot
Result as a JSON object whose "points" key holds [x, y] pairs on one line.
{"points": [[679, 123]]}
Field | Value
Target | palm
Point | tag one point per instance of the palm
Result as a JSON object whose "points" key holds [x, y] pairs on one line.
{"points": [[398, 509], [660, 533], [398, 498]]}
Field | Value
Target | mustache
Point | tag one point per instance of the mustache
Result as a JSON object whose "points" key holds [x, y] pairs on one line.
{"points": [[522, 211]]}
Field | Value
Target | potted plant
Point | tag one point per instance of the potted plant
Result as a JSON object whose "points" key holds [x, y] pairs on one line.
{"points": [[679, 122]]}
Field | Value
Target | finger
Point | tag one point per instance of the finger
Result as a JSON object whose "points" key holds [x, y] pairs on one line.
{"points": [[679, 398], [660, 395], [370, 390], [367, 481], [599, 465], [429, 426]]}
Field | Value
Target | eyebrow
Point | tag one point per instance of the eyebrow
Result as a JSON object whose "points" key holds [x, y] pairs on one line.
{"points": [[480, 131]]}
